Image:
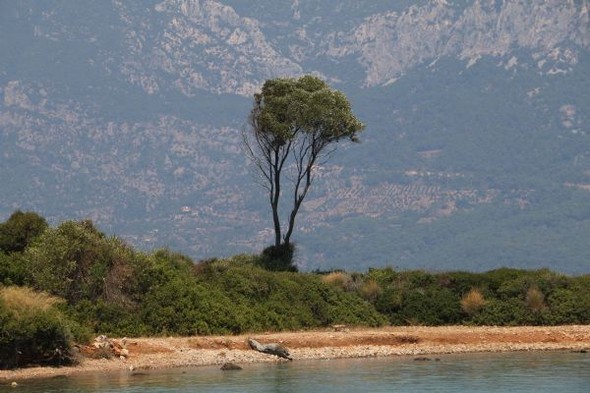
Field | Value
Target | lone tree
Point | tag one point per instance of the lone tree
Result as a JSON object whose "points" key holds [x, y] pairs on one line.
{"points": [[293, 127]]}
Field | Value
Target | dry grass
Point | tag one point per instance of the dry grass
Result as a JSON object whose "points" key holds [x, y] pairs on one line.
{"points": [[472, 301], [535, 299], [370, 290], [25, 301], [337, 279]]}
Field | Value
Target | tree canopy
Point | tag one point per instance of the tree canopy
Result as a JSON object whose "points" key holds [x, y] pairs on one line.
{"points": [[294, 125], [20, 230]]}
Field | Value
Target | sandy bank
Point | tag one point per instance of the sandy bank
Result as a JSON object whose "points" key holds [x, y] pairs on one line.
{"points": [[153, 353]]}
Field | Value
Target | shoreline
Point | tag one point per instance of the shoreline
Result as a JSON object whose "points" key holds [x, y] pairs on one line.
{"points": [[171, 352]]}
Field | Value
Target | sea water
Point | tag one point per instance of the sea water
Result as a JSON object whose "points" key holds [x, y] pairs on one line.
{"points": [[500, 372]]}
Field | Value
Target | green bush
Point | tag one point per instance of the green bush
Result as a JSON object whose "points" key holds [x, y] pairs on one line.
{"points": [[416, 297], [325, 305], [389, 302], [419, 278], [510, 312], [428, 307], [383, 277], [184, 307], [499, 277], [111, 319], [462, 283], [32, 330], [570, 306], [111, 289], [285, 300], [156, 269]]}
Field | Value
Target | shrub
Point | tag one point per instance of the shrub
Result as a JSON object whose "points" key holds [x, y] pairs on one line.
{"points": [[473, 301], [497, 312], [429, 306], [384, 276], [158, 268], [463, 282], [518, 285], [184, 307], [328, 306], [509, 312], [284, 300], [32, 329], [111, 319], [500, 277], [419, 278], [389, 301], [570, 305]]}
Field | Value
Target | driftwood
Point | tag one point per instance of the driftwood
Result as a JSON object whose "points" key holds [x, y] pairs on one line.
{"points": [[271, 349]]}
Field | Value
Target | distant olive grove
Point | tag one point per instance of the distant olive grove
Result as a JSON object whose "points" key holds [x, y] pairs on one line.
{"points": [[68, 283]]}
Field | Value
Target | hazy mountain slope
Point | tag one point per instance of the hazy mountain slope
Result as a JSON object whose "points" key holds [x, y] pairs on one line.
{"points": [[476, 152]]}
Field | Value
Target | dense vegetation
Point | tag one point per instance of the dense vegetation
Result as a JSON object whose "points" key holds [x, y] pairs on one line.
{"points": [[70, 282]]}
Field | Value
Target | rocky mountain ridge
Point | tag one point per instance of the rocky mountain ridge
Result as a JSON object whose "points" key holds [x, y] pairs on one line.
{"points": [[129, 113]]}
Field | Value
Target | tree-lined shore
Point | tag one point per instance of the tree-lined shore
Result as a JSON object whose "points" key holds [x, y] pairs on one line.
{"points": [[69, 283]]}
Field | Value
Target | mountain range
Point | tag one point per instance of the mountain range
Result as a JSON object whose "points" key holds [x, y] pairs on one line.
{"points": [[476, 152]]}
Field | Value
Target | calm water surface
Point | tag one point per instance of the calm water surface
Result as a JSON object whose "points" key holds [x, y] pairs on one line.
{"points": [[510, 372]]}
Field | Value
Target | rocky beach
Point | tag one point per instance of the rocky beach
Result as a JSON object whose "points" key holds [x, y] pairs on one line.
{"points": [[333, 343]]}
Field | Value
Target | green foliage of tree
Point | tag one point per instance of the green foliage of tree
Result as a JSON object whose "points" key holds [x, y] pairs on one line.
{"points": [[76, 261], [154, 297], [278, 258], [20, 230], [14, 269], [293, 126]]}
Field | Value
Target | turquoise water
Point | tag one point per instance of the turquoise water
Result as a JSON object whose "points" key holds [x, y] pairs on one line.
{"points": [[510, 372]]}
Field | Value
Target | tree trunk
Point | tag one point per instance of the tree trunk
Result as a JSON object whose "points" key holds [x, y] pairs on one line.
{"points": [[275, 196]]}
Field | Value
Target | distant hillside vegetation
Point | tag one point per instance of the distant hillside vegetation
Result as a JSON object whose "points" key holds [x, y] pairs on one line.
{"points": [[476, 153]]}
